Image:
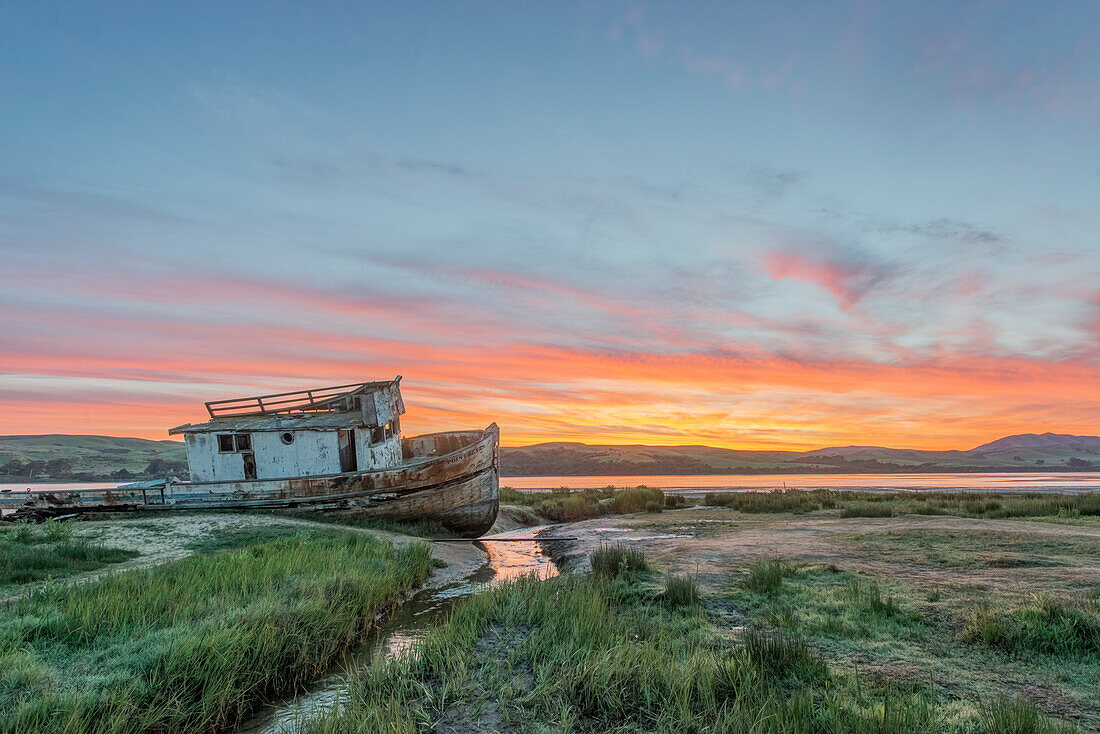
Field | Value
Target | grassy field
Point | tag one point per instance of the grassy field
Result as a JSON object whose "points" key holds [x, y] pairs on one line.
{"points": [[35, 553], [193, 645], [626, 650]]}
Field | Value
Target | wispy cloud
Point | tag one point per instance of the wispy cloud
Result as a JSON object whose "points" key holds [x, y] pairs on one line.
{"points": [[849, 278]]}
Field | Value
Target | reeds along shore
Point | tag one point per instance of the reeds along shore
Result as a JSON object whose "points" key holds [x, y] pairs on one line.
{"points": [[571, 505]]}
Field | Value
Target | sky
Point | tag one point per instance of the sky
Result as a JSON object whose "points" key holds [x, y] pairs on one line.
{"points": [[752, 225]]}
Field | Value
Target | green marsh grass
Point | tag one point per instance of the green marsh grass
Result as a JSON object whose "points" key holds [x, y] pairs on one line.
{"points": [[866, 596], [35, 553], [637, 499], [867, 510], [234, 538], [424, 528], [796, 501], [784, 656], [1017, 716], [569, 505], [193, 645], [766, 575], [610, 561], [681, 591], [571, 508], [512, 496], [1046, 626]]}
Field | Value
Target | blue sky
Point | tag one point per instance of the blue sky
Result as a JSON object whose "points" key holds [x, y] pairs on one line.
{"points": [[685, 222]]}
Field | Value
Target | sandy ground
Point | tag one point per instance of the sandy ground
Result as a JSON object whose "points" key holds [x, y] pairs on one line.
{"points": [[163, 539], [713, 542]]}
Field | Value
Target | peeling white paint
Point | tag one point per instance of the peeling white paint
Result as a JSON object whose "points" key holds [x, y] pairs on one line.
{"points": [[310, 453]]}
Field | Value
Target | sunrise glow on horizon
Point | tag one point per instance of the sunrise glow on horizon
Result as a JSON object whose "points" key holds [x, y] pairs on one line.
{"points": [[643, 223]]}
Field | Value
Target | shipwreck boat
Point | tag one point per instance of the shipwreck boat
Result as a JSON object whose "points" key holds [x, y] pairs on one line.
{"points": [[337, 449]]}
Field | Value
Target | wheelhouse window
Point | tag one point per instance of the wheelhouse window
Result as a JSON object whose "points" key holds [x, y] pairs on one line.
{"points": [[229, 443]]}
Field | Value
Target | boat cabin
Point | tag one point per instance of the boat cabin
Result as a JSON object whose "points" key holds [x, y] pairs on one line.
{"points": [[331, 430]]}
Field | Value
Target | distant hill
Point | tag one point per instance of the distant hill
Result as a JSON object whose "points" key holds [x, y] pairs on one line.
{"points": [[106, 458], [1044, 442], [61, 457]]}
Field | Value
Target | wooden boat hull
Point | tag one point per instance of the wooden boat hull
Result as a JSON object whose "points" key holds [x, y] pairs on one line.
{"points": [[452, 478]]}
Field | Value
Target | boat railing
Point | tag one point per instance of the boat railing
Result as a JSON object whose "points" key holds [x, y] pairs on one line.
{"points": [[317, 400]]}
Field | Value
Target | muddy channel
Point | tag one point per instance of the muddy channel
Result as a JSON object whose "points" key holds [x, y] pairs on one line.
{"points": [[505, 556]]}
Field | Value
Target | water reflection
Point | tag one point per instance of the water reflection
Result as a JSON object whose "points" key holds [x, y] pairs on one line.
{"points": [[510, 560]]}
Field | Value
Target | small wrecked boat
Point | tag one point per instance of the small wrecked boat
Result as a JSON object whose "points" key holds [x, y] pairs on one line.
{"points": [[336, 449]]}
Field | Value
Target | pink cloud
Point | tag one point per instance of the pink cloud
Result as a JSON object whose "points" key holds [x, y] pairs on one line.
{"points": [[847, 282]]}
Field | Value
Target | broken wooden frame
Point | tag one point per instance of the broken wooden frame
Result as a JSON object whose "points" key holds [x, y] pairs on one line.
{"points": [[320, 400]]}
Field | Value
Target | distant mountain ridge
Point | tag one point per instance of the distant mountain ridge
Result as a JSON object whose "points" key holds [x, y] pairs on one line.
{"points": [[60, 457]]}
